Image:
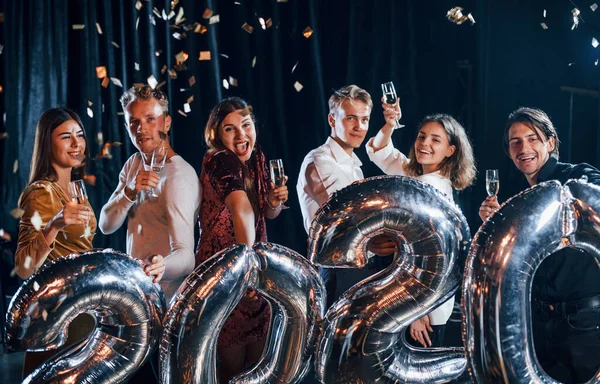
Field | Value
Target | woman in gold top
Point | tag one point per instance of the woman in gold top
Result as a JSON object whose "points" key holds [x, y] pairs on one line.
{"points": [[53, 224]]}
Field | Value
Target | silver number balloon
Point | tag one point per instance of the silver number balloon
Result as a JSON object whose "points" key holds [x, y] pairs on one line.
{"points": [[204, 301], [110, 285], [363, 332], [504, 256]]}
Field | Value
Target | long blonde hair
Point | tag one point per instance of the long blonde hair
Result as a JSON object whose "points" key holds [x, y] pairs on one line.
{"points": [[458, 168]]}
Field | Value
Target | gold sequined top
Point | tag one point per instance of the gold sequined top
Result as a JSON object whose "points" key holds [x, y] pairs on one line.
{"points": [[48, 198]]}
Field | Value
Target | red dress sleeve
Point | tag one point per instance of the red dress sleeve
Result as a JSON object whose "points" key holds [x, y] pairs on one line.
{"points": [[224, 170]]}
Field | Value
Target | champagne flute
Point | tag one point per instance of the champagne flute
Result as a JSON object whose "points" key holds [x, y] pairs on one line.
{"points": [[157, 163], [390, 97], [492, 182], [78, 191], [277, 176]]}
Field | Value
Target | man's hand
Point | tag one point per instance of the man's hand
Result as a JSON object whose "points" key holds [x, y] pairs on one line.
{"points": [[155, 267], [488, 207], [419, 331], [391, 112], [144, 181], [383, 245]]}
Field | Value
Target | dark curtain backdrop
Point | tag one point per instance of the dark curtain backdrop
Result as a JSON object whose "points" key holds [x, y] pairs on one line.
{"points": [[477, 73]]}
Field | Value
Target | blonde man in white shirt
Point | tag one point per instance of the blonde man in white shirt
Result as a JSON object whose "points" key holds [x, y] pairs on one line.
{"points": [[442, 157], [333, 166]]}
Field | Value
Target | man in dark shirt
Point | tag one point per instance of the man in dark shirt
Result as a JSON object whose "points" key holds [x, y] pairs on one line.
{"points": [[566, 286]]}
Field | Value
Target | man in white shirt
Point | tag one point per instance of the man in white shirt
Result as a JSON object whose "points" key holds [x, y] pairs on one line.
{"points": [[333, 166], [160, 230]]}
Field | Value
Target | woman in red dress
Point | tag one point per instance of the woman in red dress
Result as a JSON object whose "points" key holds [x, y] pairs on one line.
{"points": [[237, 196]]}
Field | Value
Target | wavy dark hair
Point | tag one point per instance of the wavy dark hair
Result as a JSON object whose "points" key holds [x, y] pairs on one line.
{"points": [[41, 162], [460, 167], [214, 143]]}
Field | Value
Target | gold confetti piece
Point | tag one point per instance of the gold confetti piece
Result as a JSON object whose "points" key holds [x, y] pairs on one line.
{"points": [[594, 42], [190, 99], [139, 229], [181, 56], [90, 113], [575, 13], [1, 89], [90, 179], [204, 55], [17, 213], [294, 67], [225, 84], [117, 144], [269, 22], [214, 19], [593, 7], [101, 72], [36, 221], [307, 32], [99, 28], [116, 82], [544, 26], [186, 108], [298, 86], [105, 82], [87, 232], [138, 5], [253, 61], [199, 28], [44, 314], [99, 138], [1, 17], [36, 286], [136, 66], [192, 80], [181, 113], [115, 44], [456, 16], [179, 19], [152, 81], [163, 69], [247, 27], [207, 13], [27, 262], [16, 166], [233, 81], [78, 26], [161, 84], [172, 74]]}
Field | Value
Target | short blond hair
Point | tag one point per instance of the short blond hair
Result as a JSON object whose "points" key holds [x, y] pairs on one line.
{"points": [[349, 92], [145, 92]]}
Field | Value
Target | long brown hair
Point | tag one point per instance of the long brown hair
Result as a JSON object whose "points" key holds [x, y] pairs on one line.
{"points": [[41, 162], [458, 168], [214, 143]]}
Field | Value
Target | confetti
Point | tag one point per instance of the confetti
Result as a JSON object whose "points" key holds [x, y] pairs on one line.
{"points": [[192, 80], [164, 15], [163, 69], [224, 55], [117, 144], [136, 66], [181, 113], [27, 262], [593, 7], [233, 81], [137, 22], [179, 17], [116, 82], [138, 5], [99, 138], [152, 81], [178, 35], [471, 18], [181, 56], [544, 13], [544, 26], [204, 55], [90, 103], [171, 14], [263, 25], [17, 213], [139, 229], [575, 13], [247, 27], [199, 28], [190, 99], [161, 84], [16, 166], [101, 72], [3, 135], [36, 286], [90, 113], [1, 48], [90, 179], [570, 64], [294, 67], [594, 42], [207, 13], [253, 61], [307, 32], [87, 232], [44, 314], [172, 74], [186, 108], [36, 221], [1, 89], [78, 26], [298, 86], [214, 19], [99, 28], [105, 82], [225, 84], [115, 44], [158, 53], [282, 1], [152, 20], [596, 63], [456, 16]]}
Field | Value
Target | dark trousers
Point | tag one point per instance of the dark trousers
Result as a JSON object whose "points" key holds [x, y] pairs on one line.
{"points": [[567, 346]]}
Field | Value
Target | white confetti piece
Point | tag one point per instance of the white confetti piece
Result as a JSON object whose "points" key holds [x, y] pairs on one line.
{"points": [[138, 5], [16, 166], [214, 19], [116, 82], [186, 108], [225, 84], [78, 26], [594, 42], [152, 81], [298, 86], [90, 113], [99, 28], [115, 44], [254, 62], [87, 232], [136, 66], [139, 229], [36, 221], [36, 286], [27, 262], [593, 7], [544, 26]]}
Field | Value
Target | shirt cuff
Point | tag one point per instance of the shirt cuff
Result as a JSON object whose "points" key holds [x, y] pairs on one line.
{"points": [[127, 197], [380, 155]]}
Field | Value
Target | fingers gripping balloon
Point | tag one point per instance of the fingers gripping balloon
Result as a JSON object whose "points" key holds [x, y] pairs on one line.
{"points": [[288, 282], [108, 284], [363, 332], [502, 261]]}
